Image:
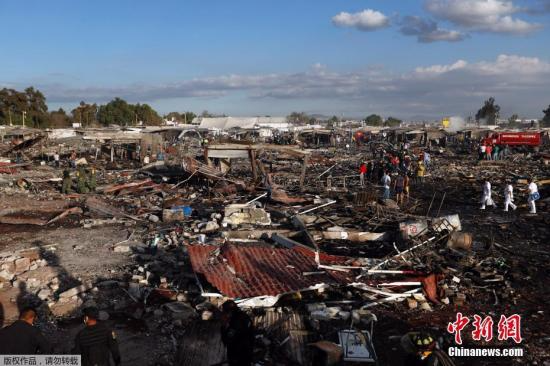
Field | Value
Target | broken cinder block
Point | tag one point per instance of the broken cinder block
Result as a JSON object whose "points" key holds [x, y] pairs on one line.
{"points": [[22, 265], [75, 291], [237, 214]]}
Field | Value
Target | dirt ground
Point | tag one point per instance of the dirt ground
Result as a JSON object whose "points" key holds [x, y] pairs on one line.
{"points": [[84, 255]]}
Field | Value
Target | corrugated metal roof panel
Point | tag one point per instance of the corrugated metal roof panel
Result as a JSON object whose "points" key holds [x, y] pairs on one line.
{"points": [[243, 272]]}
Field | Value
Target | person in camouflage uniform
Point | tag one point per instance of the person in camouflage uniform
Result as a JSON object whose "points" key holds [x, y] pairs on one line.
{"points": [[81, 184], [92, 180], [67, 182]]}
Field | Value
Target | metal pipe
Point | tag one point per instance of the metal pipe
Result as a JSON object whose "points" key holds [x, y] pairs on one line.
{"points": [[316, 208], [257, 198]]}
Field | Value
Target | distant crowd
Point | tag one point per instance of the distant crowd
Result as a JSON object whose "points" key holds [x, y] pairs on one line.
{"points": [[403, 165]]}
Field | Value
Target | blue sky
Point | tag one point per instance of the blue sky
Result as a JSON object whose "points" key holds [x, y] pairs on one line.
{"points": [[411, 59]]}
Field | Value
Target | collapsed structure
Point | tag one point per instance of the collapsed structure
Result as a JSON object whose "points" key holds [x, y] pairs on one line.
{"points": [[277, 222]]}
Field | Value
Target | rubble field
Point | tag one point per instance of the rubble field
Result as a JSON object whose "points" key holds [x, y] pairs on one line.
{"points": [[288, 232]]}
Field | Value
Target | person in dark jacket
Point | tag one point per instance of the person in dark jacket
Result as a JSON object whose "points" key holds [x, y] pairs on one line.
{"points": [[97, 342], [22, 338], [237, 334]]}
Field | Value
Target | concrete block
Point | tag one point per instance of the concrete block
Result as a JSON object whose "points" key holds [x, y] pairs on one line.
{"points": [[22, 265], [8, 266], [75, 291], [44, 294], [6, 276], [121, 249]]}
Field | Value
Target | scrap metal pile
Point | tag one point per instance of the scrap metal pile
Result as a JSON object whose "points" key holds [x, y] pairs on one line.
{"points": [[290, 235]]}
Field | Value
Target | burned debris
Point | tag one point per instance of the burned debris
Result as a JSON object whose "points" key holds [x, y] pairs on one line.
{"points": [[174, 222]]}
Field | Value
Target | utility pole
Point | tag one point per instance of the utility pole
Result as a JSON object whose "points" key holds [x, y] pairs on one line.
{"points": [[24, 113], [9, 112]]}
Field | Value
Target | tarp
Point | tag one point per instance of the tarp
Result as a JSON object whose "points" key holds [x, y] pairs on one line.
{"points": [[226, 123]]}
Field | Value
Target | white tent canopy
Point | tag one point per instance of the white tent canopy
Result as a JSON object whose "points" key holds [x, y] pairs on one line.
{"points": [[226, 123]]}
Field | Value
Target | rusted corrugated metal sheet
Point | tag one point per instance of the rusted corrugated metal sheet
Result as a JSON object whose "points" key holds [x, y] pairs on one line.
{"points": [[243, 272]]}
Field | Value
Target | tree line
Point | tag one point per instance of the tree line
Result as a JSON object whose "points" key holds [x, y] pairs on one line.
{"points": [[29, 108], [302, 118], [489, 114]]}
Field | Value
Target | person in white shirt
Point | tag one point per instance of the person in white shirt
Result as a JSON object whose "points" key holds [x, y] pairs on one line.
{"points": [[386, 181], [427, 159], [509, 197], [533, 196], [482, 150], [486, 199], [56, 159]]}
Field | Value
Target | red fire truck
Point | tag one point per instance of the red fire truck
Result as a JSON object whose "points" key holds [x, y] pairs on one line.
{"points": [[519, 139]]}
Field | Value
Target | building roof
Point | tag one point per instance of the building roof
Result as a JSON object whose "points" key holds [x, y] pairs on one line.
{"points": [[250, 271], [226, 123], [20, 131]]}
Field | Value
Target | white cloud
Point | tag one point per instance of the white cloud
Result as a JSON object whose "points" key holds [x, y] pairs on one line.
{"points": [[366, 20], [428, 31], [482, 15], [440, 69], [520, 84], [505, 64]]}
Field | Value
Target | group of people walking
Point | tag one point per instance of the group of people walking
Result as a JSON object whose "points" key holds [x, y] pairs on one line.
{"points": [[532, 197], [86, 181], [395, 171], [401, 167]]}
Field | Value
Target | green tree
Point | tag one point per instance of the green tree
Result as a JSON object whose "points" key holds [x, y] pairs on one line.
{"points": [[332, 121], [116, 112], [374, 120], [176, 116], [185, 117], [85, 114], [513, 118], [392, 122], [189, 117], [59, 119], [120, 112], [8, 106], [489, 112], [299, 118], [31, 103], [36, 108], [146, 114], [546, 118]]}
